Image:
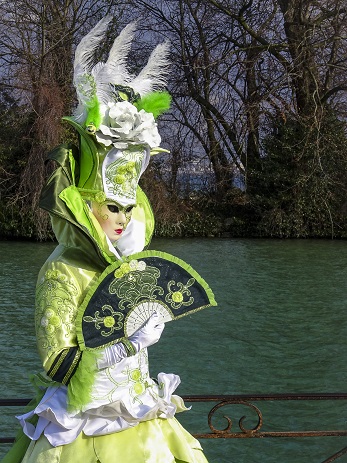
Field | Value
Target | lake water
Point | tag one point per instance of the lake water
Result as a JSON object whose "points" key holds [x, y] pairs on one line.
{"points": [[280, 327]]}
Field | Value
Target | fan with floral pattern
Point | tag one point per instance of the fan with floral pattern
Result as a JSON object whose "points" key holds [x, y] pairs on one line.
{"points": [[129, 292]]}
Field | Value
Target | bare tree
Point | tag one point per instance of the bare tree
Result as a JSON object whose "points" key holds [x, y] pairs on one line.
{"points": [[288, 53], [239, 68], [36, 51], [202, 103]]}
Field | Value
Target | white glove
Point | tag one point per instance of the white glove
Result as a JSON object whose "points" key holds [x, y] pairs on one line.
{"points": [[146, 336], [111, 355]]}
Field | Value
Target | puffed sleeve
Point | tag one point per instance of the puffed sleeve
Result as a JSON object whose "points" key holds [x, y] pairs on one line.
{"points": [[58, 296]]}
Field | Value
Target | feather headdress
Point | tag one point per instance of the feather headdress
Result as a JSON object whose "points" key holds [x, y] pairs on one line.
{"points": [[115, 120], [99, 84], [116, 113]]}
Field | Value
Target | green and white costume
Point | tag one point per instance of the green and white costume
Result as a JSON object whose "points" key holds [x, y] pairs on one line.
{"points": [[96, 407], [123, 397]]}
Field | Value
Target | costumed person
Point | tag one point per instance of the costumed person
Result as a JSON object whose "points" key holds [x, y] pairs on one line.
{"points": [[96, 401]]}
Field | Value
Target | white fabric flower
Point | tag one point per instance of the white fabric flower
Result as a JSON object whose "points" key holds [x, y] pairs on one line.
{"points": [[147, 130], [124, 125], [122, 117], [44, 322], [141, 266]]}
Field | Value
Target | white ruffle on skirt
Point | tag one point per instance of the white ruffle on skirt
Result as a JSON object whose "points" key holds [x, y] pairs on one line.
{"points": [[61, 427]]}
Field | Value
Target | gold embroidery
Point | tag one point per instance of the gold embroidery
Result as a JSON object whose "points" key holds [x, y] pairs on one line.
{"points": [[123, 174], [55, 310], [107, 321], [58, 364], [72, 367], [130, 349], [175, 297], [136, 380]]}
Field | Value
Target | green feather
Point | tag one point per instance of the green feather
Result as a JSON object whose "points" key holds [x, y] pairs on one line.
{"points": [[94, 116], [79, 392], [155, 102]]}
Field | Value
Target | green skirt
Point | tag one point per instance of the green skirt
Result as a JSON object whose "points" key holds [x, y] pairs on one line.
{"points": [[154, 441]]}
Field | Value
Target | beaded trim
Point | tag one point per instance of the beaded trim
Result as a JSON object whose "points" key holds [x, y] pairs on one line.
{"points": [[72, 367], [58, 363], [129, 347]]}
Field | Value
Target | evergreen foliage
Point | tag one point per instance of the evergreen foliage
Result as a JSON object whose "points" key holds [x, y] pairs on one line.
{"points": [[299, 185], [14, 147]]}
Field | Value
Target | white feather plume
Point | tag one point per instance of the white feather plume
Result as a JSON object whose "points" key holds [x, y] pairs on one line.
{"points": [[115, 70], [153, 75], [84, 54], [84, 77], [117, 60], [95, 79], [102, 89]]}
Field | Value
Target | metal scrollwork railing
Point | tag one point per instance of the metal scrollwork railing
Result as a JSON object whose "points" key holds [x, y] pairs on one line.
{"points": [[226, 432], [220, 402], [247, 401], [256, 431]]}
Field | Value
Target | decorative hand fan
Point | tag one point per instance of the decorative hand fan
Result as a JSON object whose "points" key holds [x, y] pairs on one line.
{"points": [[127, 293]]}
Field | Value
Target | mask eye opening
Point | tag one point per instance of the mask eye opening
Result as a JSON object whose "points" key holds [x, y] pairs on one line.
{"points": [[113, 208]]}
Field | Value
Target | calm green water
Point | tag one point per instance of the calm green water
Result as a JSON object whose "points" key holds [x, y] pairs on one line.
{"points": [[280, 327]]}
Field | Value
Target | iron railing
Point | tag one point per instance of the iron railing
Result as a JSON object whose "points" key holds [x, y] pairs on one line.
{"points": [[222, 401]]}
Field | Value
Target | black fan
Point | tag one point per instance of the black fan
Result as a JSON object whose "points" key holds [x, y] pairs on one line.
{"points": [[129, 292]]}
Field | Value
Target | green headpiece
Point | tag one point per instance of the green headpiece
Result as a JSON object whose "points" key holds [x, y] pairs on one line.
{"points": [[116, 115]]}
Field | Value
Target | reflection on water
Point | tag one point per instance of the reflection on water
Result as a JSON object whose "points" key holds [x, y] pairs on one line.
{"points": [[280, 326]]}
